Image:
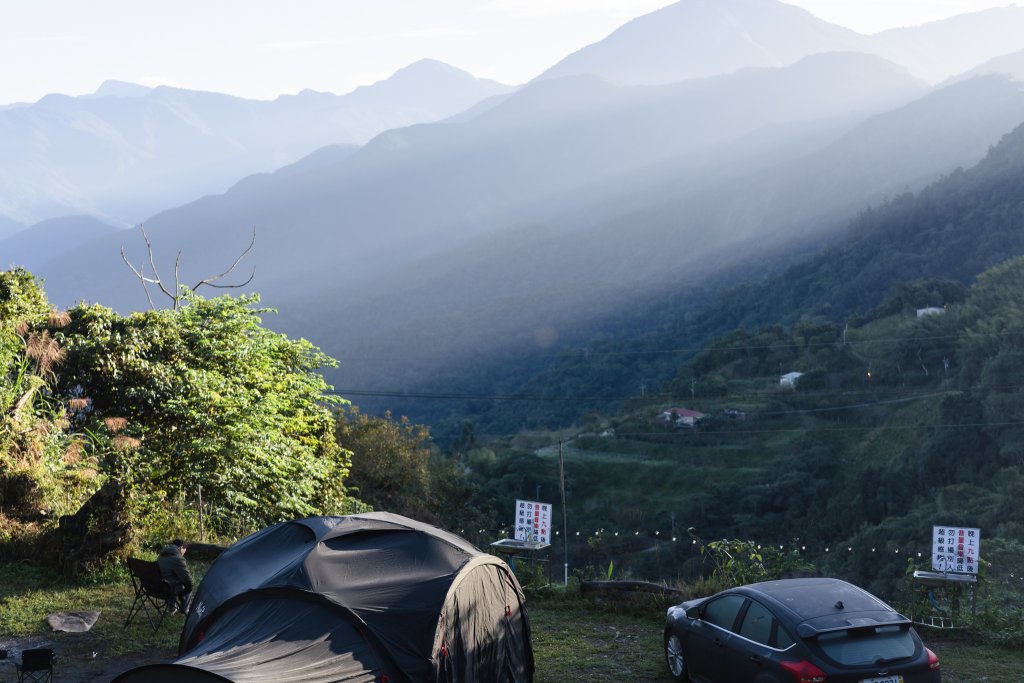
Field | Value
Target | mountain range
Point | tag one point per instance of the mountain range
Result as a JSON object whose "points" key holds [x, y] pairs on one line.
{"points": [[699, 38], [665, 163], [126, 152]]}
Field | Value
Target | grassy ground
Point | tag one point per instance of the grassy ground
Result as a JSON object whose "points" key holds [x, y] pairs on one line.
{"points": [[576, 641], [28, 594], [573, 639]]}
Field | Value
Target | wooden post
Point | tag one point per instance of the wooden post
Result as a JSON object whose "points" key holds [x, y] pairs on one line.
{"points": [[202, 531]]}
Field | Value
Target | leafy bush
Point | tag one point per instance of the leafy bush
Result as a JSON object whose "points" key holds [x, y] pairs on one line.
{"points": [[739, 562]]}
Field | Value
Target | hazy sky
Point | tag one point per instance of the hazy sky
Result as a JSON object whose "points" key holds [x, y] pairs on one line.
{"points": [[262, 48]]}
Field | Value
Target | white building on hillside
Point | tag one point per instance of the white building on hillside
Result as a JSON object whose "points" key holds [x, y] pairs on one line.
{"points": [[789, 379]]}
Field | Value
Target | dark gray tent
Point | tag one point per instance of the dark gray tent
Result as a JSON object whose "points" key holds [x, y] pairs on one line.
{"points": [[371, 597]]}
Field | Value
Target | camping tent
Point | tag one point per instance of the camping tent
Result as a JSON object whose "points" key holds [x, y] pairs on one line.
{"points": [[372, 597]]}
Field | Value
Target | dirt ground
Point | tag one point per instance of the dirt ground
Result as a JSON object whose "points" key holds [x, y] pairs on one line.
{"points": [[80, 658]]}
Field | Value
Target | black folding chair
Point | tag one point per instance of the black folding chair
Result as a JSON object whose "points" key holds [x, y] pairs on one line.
{"points": [[36, 665], [152, 593]]}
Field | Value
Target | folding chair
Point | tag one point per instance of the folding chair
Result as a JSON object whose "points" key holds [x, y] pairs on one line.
{"points": [[36, 665], [152, 593]]}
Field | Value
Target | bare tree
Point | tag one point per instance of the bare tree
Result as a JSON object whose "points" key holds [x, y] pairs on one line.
{"points": [[175, 295]]}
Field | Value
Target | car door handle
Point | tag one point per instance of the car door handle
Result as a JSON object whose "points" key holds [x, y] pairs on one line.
{"points": [[755, 658], [718, 642]]}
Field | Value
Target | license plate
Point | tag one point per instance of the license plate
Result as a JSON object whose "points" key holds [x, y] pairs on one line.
{"points": [[884, 679]]}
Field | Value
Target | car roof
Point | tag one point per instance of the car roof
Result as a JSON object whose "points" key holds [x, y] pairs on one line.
{"points": [[814, 605]]}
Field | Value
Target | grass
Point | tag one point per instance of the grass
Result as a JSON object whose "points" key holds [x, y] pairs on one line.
{"points": [[573, 639], [28, 594], [963, 662]]}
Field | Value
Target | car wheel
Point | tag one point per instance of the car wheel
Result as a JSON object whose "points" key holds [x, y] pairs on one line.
{"points": [[674, 657]]}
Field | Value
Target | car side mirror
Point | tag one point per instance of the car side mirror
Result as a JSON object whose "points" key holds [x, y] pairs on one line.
{"points": [[693, 612]]}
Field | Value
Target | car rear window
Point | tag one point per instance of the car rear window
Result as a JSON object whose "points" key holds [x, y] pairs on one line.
{"points": [[855, 647]]}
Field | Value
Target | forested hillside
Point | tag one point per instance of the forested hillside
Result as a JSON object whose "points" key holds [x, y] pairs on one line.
{"points": [[956, 228], [898, 421]]}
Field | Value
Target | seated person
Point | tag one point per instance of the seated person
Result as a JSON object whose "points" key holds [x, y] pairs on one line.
{"points": [[175, 572]]}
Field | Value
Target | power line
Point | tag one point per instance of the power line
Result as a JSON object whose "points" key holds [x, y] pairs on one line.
{"points": [[665, 398], [838, 342], [472, 397]]}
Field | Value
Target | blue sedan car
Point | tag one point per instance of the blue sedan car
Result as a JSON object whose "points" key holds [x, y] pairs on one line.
{"points": [[795, 631]]}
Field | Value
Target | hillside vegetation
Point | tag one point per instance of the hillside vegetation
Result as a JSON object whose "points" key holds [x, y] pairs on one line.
{"points": [[896, 424], [953, 230]]}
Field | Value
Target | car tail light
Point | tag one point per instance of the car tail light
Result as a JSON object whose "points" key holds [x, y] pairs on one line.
{"points": [[804, 672], [933, 661]]}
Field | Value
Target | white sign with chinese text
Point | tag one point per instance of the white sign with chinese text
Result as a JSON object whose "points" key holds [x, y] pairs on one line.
{"points": [[956, 549], [533, 521]]}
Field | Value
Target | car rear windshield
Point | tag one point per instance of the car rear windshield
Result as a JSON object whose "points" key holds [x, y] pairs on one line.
{"points": [[860, 646]]}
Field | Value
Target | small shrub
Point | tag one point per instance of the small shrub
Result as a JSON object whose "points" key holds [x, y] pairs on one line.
{"points": [[739, 562]]}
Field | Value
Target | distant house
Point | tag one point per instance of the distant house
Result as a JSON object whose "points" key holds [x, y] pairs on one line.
{"points": [[683, 417], [735, 413], [789, 379], [931, 310]]}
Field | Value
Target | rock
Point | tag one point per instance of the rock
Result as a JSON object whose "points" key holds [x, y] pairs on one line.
{"points": [[72, 622]]}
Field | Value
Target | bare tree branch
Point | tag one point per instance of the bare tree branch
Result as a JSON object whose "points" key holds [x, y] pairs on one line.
{"points": [[209, 281], [175, 297], [139, 273]]}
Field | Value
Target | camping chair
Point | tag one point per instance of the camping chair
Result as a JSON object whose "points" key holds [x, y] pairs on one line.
{"points": [[36, 665], [152, 593]]}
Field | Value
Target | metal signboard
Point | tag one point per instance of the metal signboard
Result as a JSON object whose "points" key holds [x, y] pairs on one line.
{"points": [[956, 549], [533, 521]]}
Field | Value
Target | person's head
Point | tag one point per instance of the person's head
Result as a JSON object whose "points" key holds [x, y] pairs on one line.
{"points": [[182, 547]]}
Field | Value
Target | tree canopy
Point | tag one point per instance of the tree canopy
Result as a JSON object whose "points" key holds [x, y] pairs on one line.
{"points": [[198, 400]]}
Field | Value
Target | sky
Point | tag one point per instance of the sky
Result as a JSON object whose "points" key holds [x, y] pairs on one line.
{"points": [[263, 48]]}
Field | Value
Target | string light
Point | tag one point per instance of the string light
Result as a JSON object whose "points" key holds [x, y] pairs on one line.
{"points": [[656, 536]]}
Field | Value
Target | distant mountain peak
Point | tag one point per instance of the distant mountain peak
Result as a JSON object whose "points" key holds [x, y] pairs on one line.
{"points": [[427, 70], [428, 64], [700, 38], [431, 80], [113, 88]]}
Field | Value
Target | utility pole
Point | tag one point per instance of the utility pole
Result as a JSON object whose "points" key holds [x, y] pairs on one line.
{"points": [[565, 525]]}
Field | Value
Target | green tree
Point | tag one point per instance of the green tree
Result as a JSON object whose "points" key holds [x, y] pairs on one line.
{"points": [[42, 467], [390, 462], [204, 395]]}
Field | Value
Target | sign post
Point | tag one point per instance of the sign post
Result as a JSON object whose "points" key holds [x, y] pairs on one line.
{"points": [[956, 557], [533, 531]]}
